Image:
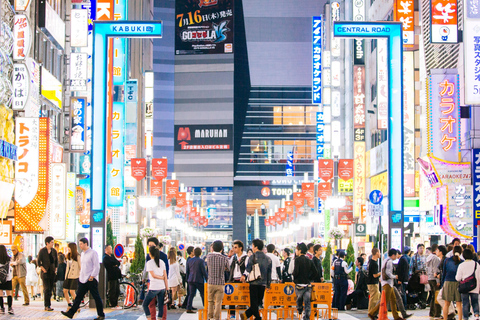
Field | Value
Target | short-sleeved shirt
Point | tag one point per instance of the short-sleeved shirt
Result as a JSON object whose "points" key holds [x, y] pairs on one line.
{"points": [[372, 269], [156, 284], [275, 264]]}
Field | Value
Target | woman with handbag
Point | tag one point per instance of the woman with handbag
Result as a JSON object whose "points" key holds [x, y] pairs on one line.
{"points": [[468, 276], [72, 273], [450, 285]]}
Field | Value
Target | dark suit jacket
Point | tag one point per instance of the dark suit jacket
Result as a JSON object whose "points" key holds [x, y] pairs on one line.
{"points": [[403, 269], [196, 270], [318, 266], [112, 266], [43, 260]]}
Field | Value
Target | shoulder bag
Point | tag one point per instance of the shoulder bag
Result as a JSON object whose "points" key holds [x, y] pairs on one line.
{"points": [[385, 277], [255, 273], [469, 283], [4, 272]]}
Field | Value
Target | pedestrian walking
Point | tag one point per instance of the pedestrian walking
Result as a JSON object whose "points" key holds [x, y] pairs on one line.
{"points": [[403, 272], [304, 274], [88, 281], [174, 276], [19, 265], [62, 268], [441, 253], [114, 274], [157, 275], [373, 279], [48, 262], [387, 282], [276, 270], [450, 284], [72, 273], [317, 262], [286, 275], [433, 261], [340, 271], [32, 276], [237, 268], [260, 282], [6, 276], [465, 270], [217, 264], [196, 277]]}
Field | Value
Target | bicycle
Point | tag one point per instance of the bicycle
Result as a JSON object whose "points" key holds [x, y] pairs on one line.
{"points": [[127, 298]]}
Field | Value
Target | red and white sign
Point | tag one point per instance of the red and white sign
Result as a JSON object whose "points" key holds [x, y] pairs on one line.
{"points": [[139, 168], [104, 10], [181, 199], [22, 37], [444, 22], [131, 210], [6, 232], [345, 217], [345, 169], [267, 222], [404, 12], [156, 188], [324, 190], [325, 169], [159, 168], [289, 207], [298, 199], [308, 190], [172, 189], [22, 5], [282, 213], [265, 191]]}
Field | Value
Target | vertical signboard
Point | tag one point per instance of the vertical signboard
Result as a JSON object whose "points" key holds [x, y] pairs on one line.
{"points": [[57, 200], [317, 60], [409, 123], [21, 86], [460, 210], [443, 19], [404, 12], [78, 71], [70, 219], [78, 106], [115, 186], [471, 34], [359, 191], [32, 108], [131, 98], [382, 84], [476, 189], [443, 112], [22, 37], [320, 136], [21, 5], [289, 165], [359, 97], [79, 27]]}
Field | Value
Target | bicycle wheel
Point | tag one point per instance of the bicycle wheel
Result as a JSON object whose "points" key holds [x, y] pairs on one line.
{"points": [[128, 295]]}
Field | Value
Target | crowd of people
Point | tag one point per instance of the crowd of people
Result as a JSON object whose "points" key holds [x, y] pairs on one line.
{"points": [[445, 278]]}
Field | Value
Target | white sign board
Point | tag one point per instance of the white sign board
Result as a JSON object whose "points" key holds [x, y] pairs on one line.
{"points": [[79, 27], [78, 71], [21, 86], [57, 200], [22, 38]]}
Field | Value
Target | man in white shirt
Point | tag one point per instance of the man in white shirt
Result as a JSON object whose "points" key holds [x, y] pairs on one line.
{"points": [[237, 268], [276, 269], [88, 281]]}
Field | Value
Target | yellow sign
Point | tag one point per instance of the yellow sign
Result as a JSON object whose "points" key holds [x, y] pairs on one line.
{"points": [[380, 182], [345, 186], [281, 294], [359, 175], [236, 294]]}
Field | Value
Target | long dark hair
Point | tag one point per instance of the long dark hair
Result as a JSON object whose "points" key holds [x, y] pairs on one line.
{"points": [[457, 252], [155, 253], [73, 254], [4, 258]]}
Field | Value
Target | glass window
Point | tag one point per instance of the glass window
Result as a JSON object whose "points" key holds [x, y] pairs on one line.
{"points": [[277, 115], [293, 115]]}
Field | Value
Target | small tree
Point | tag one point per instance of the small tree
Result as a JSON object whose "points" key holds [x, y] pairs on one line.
{"points": [[326, 262], [110, 237], [350, 257], [139, 259]]}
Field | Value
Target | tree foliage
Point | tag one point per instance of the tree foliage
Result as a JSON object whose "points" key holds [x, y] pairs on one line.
{"points": [[350, 257], [139, 260], [110, 237], [326, 262]]}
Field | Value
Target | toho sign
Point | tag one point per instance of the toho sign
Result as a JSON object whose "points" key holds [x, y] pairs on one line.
{"points": [[392, 32]]}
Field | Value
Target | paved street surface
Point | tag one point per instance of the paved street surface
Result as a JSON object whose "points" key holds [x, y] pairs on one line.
{"points": [[36, 311]]}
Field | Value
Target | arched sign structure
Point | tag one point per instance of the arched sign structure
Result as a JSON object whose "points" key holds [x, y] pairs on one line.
{"points": [[392, 31]]}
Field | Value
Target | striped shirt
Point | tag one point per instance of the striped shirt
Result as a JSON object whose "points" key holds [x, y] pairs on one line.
{"points": [[217, 264]]}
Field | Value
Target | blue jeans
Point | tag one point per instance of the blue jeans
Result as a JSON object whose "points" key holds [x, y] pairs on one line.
{"points": [[160, 294], [304, 296], [466, 299]]}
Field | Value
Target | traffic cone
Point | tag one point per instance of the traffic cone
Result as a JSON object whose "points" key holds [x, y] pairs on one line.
{"points": [[129, 296], [383, 311]]}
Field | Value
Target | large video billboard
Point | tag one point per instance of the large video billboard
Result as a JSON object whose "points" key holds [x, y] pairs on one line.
{"points": [[203, 26]]}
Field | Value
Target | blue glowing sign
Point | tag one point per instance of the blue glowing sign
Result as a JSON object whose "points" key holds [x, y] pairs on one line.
{"points": [[102, 30], [78, 132], [317, 60], [289, 168], [476, 190], [320, 136], [392, 31], [8, 150]]}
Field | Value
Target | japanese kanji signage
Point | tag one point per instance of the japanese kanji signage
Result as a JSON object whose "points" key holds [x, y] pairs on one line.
{"points": [[6, 232], [359, 177], [409, 123], [115, 185], [382, 84], [358, 97], [471, 51], [460, 210], [476, 187], [22, 37], [78, 71], [70, 216], [139, 168], [32, 172], [443, 17], [320, 136], [317, 60], [404, 12], [57, 200], [159, 168], [79, 27], [443, 110], [325, 169], [78, 106], [21, 86], [289, 166]]}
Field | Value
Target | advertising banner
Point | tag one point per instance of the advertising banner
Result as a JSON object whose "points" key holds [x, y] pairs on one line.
{"points": [[289, 166], [159, 168], [359, 52], [181, 199], [156, 188], [443, 111], [404, 12], [51, 88], [203, 26], [22, 37], [131, 210], [325, 169], [139, 168], [21, 86], [57, 200], [78, 105], [460, 210], [289, 207], [359, 192], [70, 217], [80, 200], [320, 135], [471, 51], [298, 199], [317, 60], [32, 136], [358, 97], [115, 170], [32, 109], [171, 190], [382, 84], [443, 18], [78, 71], [345, 169], [324, 190], [203, 137], [476, 188], [6, 232], [22, 5], [409, 123], [79, 27], [308, 190]]}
